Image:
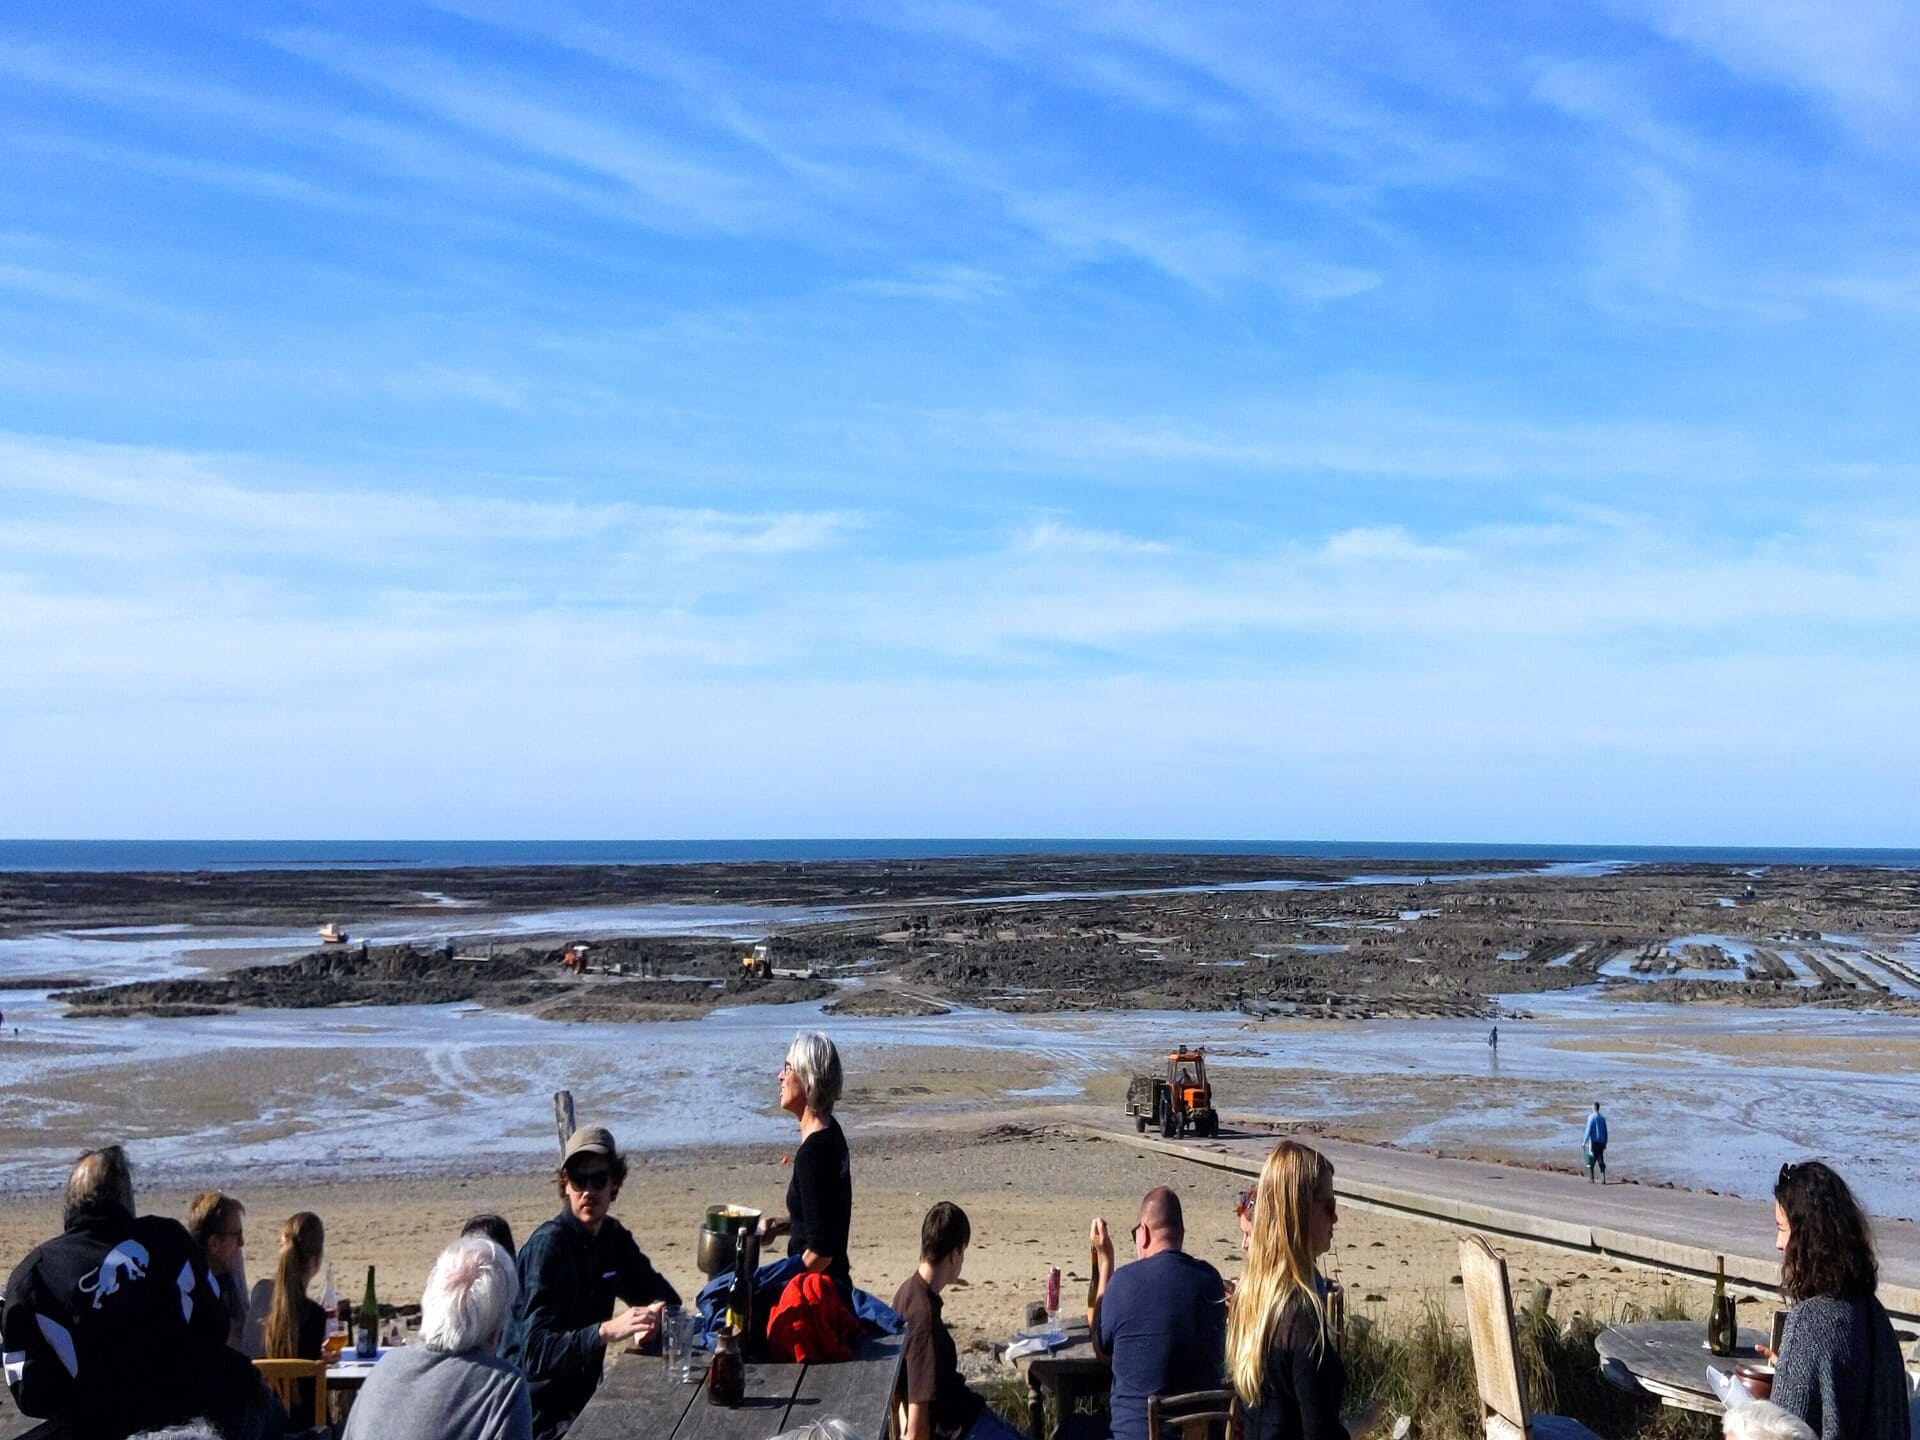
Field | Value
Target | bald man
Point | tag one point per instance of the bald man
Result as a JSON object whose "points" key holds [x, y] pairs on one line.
{"points": [[1162, 1320]]}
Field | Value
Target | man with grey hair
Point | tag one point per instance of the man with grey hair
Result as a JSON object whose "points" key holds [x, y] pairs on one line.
{"points": [[453, 1385], [114, 1327]]}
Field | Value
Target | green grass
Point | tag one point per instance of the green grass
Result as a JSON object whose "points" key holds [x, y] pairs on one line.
{"points": [[1423, 1367]]}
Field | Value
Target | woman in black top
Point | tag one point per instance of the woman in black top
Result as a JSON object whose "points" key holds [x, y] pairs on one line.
{"points": [[1839, 1367], [820, 1195], [1283, 1364], [296, 1328]]}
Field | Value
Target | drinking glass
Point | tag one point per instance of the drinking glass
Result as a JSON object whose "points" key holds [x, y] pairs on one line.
{"points": [[678, 1326]]}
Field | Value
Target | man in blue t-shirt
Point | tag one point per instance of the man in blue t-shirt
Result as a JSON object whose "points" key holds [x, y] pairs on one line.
{"points": [[1162, 1320], [1596, 1144]]}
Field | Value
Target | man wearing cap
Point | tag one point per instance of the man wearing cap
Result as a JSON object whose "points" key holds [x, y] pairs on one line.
{"points": [[571, 1270]]}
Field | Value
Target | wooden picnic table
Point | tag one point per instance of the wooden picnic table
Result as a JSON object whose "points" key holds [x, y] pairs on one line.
{"points": [[1670, 1359], [1066, 1373], [637, 1400]]}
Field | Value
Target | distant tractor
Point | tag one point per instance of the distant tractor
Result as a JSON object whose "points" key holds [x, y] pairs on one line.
{"points": [[757, 963], [1180, 1102]]}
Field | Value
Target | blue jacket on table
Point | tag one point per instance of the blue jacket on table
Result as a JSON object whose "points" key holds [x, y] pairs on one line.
{"points": [[569, 1281]]}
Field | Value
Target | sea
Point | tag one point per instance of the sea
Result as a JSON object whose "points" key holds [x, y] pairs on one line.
{"points": [[178, 855]]}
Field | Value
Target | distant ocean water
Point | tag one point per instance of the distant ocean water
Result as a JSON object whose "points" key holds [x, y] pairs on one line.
{"points": [[163, 855]]}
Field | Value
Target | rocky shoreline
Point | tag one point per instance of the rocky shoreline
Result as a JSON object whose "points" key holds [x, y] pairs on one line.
{"points": [[1340, 951]]}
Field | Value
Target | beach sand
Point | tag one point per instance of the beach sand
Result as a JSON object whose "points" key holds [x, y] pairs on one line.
{"points": [[1028, 1186]]}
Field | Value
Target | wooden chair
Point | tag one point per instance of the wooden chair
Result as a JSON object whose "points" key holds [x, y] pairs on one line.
{"points": [[1200, 1415], [1505, 1414], [283, 1377]]}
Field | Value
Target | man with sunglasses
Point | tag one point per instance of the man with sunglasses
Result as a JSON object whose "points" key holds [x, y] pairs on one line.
{"points": [[572, 1269], [1162, 1321]]}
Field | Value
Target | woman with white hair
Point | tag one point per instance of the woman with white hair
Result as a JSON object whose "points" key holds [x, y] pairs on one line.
{"points": [[820, 1195], [453, 1385]]}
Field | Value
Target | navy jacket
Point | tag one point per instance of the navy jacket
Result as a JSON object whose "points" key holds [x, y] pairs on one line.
{"points": [[569, 1281]]}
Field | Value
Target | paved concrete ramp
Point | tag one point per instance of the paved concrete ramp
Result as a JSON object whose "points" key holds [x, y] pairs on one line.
{"points": [[1669, 1229]]}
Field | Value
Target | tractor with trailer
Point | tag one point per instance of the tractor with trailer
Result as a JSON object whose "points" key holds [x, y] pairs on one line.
{"points": [[1177, 1103]]}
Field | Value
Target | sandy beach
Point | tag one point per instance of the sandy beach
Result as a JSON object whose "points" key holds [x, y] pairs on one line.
{"points": [[1029, 1189]]}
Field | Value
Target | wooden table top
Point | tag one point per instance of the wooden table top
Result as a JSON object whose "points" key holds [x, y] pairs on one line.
{"points": [[638, 1401], [1669, 1358], [1076, 1356]]}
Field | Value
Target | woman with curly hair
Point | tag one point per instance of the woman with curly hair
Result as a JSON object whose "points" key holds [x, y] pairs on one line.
{"points": [[1281, 1360], [1839, 1365]]}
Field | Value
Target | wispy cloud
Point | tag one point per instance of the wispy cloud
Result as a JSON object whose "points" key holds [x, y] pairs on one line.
{"points": [[1863, 59]]}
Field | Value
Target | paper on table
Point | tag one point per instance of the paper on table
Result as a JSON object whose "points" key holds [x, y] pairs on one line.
{"points": [[1036, 1345], [1731, 1392]]}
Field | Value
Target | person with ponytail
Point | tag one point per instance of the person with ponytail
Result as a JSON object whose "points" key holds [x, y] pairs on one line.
{"points": [[292, 1327], [1282, 1361]]}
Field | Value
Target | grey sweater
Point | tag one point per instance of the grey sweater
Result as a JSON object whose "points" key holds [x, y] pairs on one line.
{"points": [[1840, 1370], [419, 1394]]}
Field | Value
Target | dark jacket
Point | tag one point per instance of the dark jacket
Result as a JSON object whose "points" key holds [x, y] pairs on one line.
{"points": [[569, 1281], [1305, 1384], [115, 1327]]}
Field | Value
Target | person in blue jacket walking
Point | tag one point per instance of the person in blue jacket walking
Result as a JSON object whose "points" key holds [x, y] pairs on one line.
{"points": [[1596, 1144]]}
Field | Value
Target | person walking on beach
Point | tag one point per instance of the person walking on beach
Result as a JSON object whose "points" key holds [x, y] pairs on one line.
{"points": [[1493, 1038], [1596, 1144]]}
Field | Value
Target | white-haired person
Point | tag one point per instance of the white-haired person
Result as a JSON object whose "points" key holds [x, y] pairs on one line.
{"points": [[819, 1214], [453, 1385], [1763, 1420]]}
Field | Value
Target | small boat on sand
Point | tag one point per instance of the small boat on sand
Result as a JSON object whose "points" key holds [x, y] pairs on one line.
{"points": [[332, 934]]}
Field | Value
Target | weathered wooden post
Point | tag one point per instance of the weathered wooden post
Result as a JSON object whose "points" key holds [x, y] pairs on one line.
{"points": [[563, 1116]]}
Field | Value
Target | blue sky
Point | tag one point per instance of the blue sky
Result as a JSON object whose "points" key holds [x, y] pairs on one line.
{"points": [[487, 419]]}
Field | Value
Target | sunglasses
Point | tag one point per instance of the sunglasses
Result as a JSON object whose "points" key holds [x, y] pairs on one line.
{"points": [[1244, 1205], [588, 1180]]}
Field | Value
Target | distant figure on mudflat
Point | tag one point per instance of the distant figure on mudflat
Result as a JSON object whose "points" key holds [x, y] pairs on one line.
{"points": [[1493, 1038], [1596, 1144]]}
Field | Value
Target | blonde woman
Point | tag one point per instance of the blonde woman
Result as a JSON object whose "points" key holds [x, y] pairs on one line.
{"points": [[1281, 1359], [295, 1327]]}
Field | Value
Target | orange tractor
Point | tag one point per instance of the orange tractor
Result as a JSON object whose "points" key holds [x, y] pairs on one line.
{"points": [[1180, 1102]]}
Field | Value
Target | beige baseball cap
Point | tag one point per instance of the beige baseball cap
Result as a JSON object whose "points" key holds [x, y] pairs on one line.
{"points": [[589, 1140]]}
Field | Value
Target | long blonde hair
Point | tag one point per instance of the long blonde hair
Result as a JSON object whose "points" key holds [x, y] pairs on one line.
{"points": [[303, 1239], [1279, 1263]]}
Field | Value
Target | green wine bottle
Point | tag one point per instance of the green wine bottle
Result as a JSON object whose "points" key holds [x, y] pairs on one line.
{"points": [[367, 1341], [1719, 1342]]}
